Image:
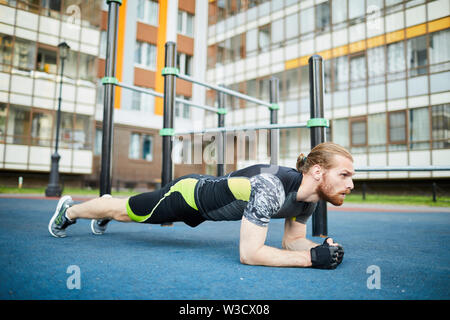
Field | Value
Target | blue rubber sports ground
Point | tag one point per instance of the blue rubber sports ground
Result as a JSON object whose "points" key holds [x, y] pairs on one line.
{"points": [[388, 255]]}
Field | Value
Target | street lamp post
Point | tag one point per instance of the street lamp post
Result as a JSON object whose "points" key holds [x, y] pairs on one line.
{"points": [[53, 187]]}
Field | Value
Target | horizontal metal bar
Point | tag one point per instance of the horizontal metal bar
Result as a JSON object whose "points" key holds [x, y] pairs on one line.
{"points": [[200, 106], [406, 168], [138, 89], [225, 90], [160, 95], [243, 128]]}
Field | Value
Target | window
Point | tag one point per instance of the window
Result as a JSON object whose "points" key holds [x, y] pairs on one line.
{"points": [[376, 67], [24, 54], [417, 56], [327, 75], [397, 128], [220, 57], [147, 147], [341, 132], [440, 116], [148, 11], [145, 55], [358, 70], [141, 147], [396, 57], [251, 43], [339, 9], [2, 121], [18, 125], [341, 73], [184, 63], [46, 61], [71, 66], [234, 49], [376, 137], [87, 67], [355, 9], [278, 31], [307, 20], [51, 8], [439, 49], [182, 110], [358, 132], [292, 82], [103, 42], [264, 37], [66, 130], [323, 16], [251, 90], [98, 141], [41, 128], [291, 26], [142, 102], [6, 45], [264, 89], [135, 145], [419, 123], [82, 136], [185, 23]]}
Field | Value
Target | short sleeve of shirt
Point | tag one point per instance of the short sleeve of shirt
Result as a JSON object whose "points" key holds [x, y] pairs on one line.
{"points": [[266, 198], [307, 211]]}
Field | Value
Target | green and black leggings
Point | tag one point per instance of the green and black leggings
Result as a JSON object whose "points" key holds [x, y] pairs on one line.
{"points": [[173, 202]]}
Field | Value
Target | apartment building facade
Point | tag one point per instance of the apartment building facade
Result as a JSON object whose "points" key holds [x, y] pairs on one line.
{"points": [[386, 76], [30, 32]]}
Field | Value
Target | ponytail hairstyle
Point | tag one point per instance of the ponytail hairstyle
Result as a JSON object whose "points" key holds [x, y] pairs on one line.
{"points": [[323, 155]]}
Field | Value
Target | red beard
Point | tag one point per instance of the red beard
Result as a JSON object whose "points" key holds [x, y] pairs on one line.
{"points": [[325, 192]]}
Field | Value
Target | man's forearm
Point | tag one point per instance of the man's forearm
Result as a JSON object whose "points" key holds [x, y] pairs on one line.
{"points": [[300, 244], [274, 257]]}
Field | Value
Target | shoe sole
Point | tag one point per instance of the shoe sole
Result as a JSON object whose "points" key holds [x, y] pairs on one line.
{"points": [[93, 220], [58, 207]]}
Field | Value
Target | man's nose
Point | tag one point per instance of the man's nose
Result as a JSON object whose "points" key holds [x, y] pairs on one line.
{"points": [[350, 185]]}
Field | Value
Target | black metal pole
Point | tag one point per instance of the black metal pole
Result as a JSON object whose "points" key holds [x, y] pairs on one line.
{"points": [[364, 189], [54, 189], [274, 133], [319, 218], [169, 102], [108, 104], [220, 145], [434, 189]]}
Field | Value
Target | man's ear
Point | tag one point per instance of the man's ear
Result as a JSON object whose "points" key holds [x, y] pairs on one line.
{"points": [[317, 172]]}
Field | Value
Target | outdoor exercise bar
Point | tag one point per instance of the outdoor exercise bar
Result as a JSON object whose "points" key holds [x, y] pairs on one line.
{"points": [[318, 134], [108, 103], [160, 95], [244, 128]]}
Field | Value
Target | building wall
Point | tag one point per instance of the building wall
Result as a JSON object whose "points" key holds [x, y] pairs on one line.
{"points": [[386, 75], [30, 85]]}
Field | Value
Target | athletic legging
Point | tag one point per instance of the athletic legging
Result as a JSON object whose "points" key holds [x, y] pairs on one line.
{"points": [[173, 202]]}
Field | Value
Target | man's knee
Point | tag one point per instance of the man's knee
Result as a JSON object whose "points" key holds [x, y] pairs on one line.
{"points": [[119, 209]]}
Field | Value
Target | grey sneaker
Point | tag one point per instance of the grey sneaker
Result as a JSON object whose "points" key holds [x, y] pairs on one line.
{"points": [[99, 226], [59, 222]]}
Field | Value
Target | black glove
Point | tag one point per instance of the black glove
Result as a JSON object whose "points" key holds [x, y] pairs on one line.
{"points": [[326, 256]]}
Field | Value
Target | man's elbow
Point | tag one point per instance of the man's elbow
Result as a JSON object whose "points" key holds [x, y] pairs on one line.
{"points": [[244, 258], [248, 257]]}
